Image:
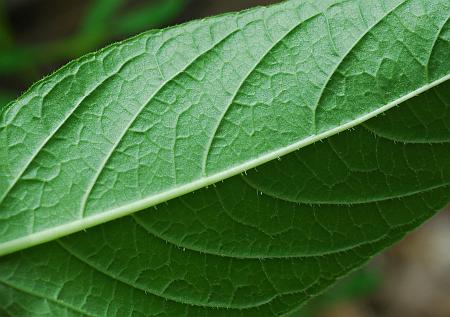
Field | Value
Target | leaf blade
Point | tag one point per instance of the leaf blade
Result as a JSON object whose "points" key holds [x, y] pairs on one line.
{"points": [[230, 251], [171, 188], [329, 241]]}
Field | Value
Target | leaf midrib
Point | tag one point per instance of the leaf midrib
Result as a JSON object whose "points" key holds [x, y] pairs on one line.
{"points": [[97, 219], [91, 185], [114, 213], [133, 119]]}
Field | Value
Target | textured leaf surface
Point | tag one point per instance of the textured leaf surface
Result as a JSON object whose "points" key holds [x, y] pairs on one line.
{"points": [[254, 245], [167, 112]]}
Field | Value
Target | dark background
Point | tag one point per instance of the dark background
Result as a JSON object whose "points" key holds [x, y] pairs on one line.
{"points": [[411, 279], [39, 36]]}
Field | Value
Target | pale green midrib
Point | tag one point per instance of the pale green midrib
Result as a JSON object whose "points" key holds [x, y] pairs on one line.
{"points": [[124, 132], [262, 256], [40, 296], [90, 221], [59, 127], [99, 171], [179, 300]]}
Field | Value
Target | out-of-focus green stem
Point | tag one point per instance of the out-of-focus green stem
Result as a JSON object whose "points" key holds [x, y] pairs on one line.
{"points": [[149, 16], [5, 98], [16, 59], [98, 26], [6, 38], [99, 15]]}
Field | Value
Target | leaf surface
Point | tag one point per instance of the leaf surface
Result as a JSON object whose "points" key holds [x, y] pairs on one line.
{"points": [[169, 112], [255, 245]]}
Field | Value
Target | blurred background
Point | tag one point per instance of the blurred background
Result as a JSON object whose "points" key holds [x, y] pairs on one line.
{"points": [[38, 36]]}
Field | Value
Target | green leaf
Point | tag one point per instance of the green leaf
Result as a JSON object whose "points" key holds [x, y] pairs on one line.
{"points": [[239, 248], [169, 112]]}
